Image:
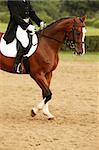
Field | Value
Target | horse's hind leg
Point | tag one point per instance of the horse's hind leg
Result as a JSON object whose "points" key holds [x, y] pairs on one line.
{"points": [[44, 85]]}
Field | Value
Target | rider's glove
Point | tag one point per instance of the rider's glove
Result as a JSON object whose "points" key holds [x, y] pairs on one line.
{"points": [[42, 25], [31, 28]]}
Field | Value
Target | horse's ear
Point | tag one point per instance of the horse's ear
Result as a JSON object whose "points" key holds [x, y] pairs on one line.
{"points": [[83, 19]]}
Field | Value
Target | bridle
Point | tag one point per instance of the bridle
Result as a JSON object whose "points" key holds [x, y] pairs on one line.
{"points": [[68, 42], [71, 43]]}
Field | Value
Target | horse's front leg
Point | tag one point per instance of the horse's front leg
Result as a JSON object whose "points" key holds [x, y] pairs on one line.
{"points": [[44, 85], [43, 105], [46, 106]]}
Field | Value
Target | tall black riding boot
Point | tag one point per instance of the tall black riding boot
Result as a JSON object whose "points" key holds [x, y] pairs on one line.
{"points": [[18, 59]]}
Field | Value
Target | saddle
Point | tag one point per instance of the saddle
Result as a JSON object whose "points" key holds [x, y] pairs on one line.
{"points": [[10, 50]]}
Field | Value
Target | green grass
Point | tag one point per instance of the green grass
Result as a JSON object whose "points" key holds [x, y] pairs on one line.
{"points": [[91, 31], [3, 27], [88, 57]]}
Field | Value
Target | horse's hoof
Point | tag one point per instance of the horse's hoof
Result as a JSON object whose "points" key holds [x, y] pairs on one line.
{"points": [[51, 118], [33, 113]]}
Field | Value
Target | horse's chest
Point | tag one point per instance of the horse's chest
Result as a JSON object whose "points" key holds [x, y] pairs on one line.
{"points": [[54, 63]]}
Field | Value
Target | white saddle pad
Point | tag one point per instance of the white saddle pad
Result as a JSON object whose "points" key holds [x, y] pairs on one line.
{"points": [[10, 49]]}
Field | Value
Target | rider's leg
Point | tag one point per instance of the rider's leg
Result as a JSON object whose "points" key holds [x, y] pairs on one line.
{"points": [[23, 39], [18, 58]]}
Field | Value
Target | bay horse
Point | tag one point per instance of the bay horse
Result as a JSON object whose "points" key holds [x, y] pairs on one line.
{"points": [[45, 59]]}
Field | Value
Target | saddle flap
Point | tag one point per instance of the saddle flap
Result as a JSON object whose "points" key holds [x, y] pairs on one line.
{"points": [[10, 50]]}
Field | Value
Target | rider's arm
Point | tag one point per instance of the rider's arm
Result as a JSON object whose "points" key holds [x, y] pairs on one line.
{"points": [[15, 15], [33, 15]]}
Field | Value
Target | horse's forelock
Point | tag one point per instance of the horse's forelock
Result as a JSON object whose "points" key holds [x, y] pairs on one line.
{"points": [[79, 21]]}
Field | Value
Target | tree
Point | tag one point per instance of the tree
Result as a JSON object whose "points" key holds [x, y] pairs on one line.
{"points": [[79, 8]]}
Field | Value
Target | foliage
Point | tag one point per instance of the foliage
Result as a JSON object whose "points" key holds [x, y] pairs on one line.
{"points": [[4, 17], [3, 6], [78, 7], [92, 31], [90, 22], [92, 43], [54, 9], [96, 24], [50, 7]]}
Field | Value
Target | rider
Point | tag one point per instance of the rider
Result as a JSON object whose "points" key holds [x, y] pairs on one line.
{"points": [[20, 14]]}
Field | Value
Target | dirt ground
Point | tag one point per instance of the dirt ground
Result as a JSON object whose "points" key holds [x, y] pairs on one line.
{"points": [[75, 103]]}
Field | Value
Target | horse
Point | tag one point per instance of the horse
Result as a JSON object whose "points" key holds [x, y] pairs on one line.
{"points": [[45, 60]]}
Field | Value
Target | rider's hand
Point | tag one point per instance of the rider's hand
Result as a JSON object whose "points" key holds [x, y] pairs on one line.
{"points": [[31, 28], [42, 25]]}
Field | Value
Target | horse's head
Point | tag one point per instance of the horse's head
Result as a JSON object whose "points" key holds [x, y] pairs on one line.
{"points": [[70, 29], [76, 35]]}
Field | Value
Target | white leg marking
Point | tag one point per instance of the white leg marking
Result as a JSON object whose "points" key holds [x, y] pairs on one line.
{"points": [[46, 111], [41, 104], [35, 110], [83, 38], [39, 107], [44, 107]]}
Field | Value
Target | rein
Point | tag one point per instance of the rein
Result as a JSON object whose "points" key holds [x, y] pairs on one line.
{"points": [[70, 43], [53, 38]]}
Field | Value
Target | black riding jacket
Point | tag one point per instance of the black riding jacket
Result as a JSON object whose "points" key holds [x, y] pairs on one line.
{"points": [[19, 10]]}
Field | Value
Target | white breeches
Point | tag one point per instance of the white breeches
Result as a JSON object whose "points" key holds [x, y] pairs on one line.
{"points": [[22, 36]]}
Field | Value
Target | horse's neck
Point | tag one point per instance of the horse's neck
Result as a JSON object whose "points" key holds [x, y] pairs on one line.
{"points": [[58, 26], [56, 32], [58, 29]]}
